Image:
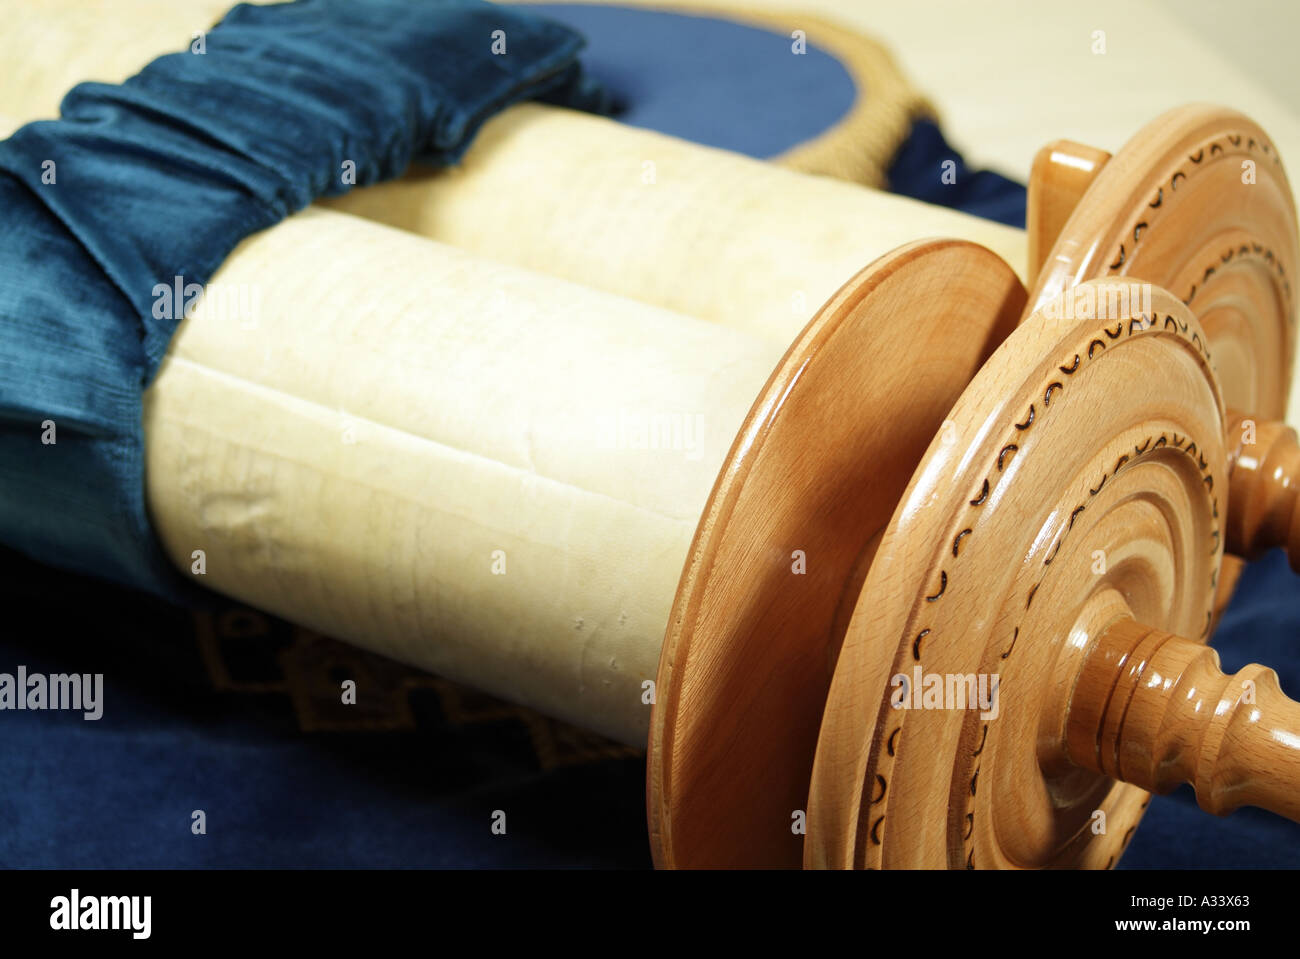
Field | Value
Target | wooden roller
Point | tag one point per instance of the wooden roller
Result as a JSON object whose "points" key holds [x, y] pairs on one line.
{"points": [[789, 531], [1197, 202], [1026, 659]]}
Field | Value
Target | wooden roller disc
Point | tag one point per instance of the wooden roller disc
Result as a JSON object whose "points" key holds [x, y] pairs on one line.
{"points": [[787, 536], [1197, 202], [1079, 482]]}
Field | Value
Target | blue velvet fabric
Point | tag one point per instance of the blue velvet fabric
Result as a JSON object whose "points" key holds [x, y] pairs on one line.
{"points": [[158, 178], [709, 79], [120, 792], [917, 170]]}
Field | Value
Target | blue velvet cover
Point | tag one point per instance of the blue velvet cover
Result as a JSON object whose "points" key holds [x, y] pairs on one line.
{"points": [[154, 181]]}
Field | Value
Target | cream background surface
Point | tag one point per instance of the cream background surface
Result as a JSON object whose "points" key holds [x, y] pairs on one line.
{"points": [[1006, 75]]}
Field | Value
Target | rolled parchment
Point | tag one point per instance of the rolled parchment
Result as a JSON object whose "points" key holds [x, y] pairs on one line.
{"points": [[491, 474], [694, 229]]}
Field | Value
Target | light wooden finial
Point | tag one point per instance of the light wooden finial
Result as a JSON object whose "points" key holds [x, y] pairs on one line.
{"points": [[1155, 710], [1264, 499], [1062, 172]]}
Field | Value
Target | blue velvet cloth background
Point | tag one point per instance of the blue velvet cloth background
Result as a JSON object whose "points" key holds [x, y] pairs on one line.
{"points": [[120, 792]]}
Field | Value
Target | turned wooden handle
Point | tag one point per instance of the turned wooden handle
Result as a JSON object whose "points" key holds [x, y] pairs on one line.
{"points": [[1155, 710], [1264, 491], [1062, 172]]}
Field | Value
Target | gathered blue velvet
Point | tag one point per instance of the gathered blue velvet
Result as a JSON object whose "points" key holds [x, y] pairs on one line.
{"points": [[161, 176]]}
